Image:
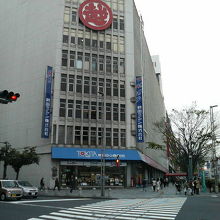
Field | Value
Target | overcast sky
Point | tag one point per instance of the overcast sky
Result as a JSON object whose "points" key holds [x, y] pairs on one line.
{"points": [[186, 36]]}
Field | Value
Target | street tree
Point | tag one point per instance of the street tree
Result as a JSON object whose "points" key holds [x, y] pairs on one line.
{"points": [[26, 157], [186, 133]]}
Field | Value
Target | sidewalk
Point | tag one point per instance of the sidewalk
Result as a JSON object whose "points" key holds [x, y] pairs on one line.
{"points": [[123, 193]]}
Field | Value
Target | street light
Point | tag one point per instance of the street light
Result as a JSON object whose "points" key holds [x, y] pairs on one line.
{"points": [[215, 161], [102, 148]]}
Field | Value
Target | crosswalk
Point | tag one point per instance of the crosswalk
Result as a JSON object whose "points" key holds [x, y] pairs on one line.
{"points": [[121, 209]]}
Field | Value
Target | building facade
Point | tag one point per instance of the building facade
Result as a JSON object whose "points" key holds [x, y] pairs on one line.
{"points": [[87, 90]]}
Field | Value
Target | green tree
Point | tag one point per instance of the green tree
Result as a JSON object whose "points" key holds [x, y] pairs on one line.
{"points": [[26, 157], [187, 133]]}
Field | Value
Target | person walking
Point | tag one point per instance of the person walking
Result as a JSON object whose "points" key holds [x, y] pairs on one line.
{"points": [[197, 186], [42, 184], [158, 184], [57, 184], [154, 183], [72, 184], [144, 184]]}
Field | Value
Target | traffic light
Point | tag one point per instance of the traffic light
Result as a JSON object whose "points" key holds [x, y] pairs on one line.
{"points": [[117, 161], [6, 97]]}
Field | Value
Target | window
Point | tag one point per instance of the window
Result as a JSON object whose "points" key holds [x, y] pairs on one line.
{"points": [[79, 84], [80, 41], [122, 65], [77, 135], [67, 15], [121, 5], [87, 42], [79, 62], [73, 16], [115, 87], [115, 112], [93, 136], [86, 135], [115, 5], [63, 82], [123, 137], [108, 137], [101, 63], [122, 24], [94, 62], [73, 36], [108, 87], [115, 44], [101, 85], [122, 112], [100, 135], [65, 35], [122, 88], [54, 133], [121, 45], [86, 110], [69, 138], [72, 58], [70, 108], [78, 108], [93, 110], [62, 107], [108, 111], [101, 41], [108, 42], [71, 83], [87, 61], [100, 109], [115, 65], [86, 85], [94, 44], [108, 64], [94, 85], [115, 23], [61, 134], [64, 57], [115, 137]]}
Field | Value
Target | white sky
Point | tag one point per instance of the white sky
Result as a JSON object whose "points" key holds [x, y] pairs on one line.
{"points": [[186, 36]]}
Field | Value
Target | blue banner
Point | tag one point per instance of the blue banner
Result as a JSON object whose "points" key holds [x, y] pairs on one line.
{"points": [[47, 104], [93, 154], [139, 111]]}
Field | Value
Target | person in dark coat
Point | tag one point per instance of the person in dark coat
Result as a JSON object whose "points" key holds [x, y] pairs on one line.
{"points": [[57, 184], [144, 184]]}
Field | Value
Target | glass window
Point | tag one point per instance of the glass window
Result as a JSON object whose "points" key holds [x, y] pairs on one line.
{"points": [[115, 87], [78, 108], [115, 112], [77, 135], [86, 85], [61, 134], [108, 87], [115, 5], [86, 135], [115, 44], [100, 110], [79, 84], [100, 135], [108, 137], [93, 136], [86, 110], [115, 137], [121, 5], [108, 111], [122, 24], [73, 16], [122, 65], [67, 15], [79, 61], [93, 110], [108, 42], [87, 42], [65, 36], [122, 112], [101, 63], [71, 83], [94, 62], [63, 82], [54, 133], [87, 61], [72, 58], [80, 41], [122, 88], [94, 43], [69, 139], [73, 36], [108, 64], [62, 107], [123, 137], [101, 85], [94, 85], [115, 23], [64, 57], [121, 45], [115, 64], [101, 41], [70, 108]]}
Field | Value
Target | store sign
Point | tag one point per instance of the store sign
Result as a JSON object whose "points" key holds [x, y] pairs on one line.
{"points": [[139, 110], [95, 14]]}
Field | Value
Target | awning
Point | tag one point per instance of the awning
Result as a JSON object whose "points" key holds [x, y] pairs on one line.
{"points": [[175, 174]]}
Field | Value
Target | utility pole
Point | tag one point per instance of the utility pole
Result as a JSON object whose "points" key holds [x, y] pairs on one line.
{"points": [[215, 161], [190, 175]]}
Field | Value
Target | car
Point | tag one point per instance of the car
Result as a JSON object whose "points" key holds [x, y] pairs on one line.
{"points": [[28, 189], [9, 189]]}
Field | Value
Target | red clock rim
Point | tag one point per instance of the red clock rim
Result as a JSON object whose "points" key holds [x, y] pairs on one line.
{"points": [[91, 26]]}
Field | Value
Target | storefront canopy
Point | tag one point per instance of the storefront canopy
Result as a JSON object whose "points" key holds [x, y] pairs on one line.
{"points": [[110, 154]]}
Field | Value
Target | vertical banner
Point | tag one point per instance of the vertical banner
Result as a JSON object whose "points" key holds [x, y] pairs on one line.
{"points": [[47, 104], [139, 110]]}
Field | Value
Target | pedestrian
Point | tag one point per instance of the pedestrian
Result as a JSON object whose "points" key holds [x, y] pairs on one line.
{"points": [[144, 184], [72, 184], [197, 186], [186, 188], [158, 184], [154, 183], [57, 184], [42, 184]]}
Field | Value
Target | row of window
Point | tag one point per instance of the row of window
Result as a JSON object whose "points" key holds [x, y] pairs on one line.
{"points": [[92, 85], [91, 110], [90, 136], [93, 62]]}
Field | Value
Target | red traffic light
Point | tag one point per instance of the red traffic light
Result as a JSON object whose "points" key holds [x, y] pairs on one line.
{"points": [[13, 97]]}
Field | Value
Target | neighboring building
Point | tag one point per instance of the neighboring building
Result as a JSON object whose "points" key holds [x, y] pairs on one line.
{"points": [[102, 82]]}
